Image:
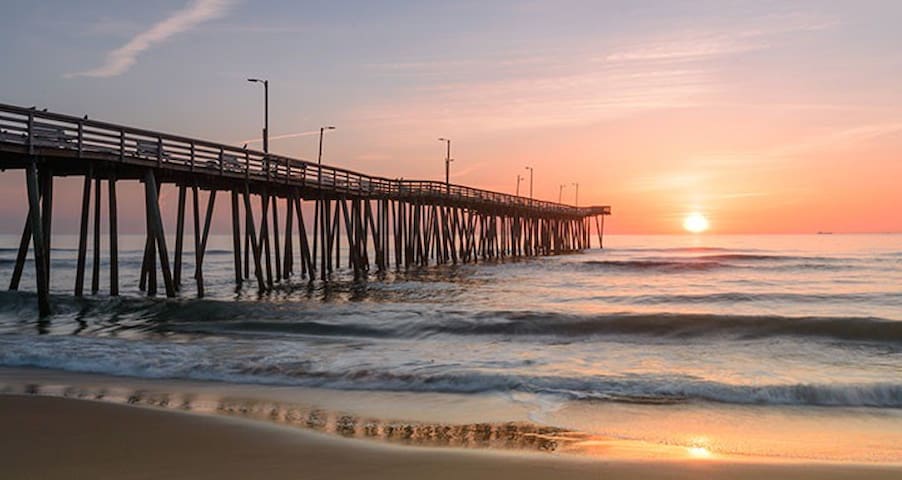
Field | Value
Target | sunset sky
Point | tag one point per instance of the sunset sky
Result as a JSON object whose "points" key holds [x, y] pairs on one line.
{"points": [[766, 116]]}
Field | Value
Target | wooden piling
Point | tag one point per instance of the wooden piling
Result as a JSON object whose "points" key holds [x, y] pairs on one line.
{"points": [[352, 253], [252, 239], [156, 224], [114, 237], [264, 237], [334, 237], [95, 270], [323, 215], [236, 238], [247, 247], [83, 233], [179, 238], [22, 254], [288, 257], [37, 234], [198, 234], [208, 219], [275, 236], [308, 259], [46, 184], [316, 228]]}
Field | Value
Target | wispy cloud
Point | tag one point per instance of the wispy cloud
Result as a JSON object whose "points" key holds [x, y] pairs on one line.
{"points": [[539, 99], [684, 49], [701, 45], [599, 81], [836, 139], [121, 59]]}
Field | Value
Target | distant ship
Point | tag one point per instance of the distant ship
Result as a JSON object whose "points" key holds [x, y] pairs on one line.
{"points": [[825, 233]]}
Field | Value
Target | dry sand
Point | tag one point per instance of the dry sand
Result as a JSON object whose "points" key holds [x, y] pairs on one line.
{"points": [[50, 438]]}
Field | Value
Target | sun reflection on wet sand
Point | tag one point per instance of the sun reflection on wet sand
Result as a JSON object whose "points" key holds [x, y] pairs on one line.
{"points": [[609, 447], [743, 432]]}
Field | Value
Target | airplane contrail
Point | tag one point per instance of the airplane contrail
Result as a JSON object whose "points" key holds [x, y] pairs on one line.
{"points": [[284, 136]]}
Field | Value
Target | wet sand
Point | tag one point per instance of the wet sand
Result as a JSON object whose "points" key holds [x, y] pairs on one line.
{"points": [[50, 438]]}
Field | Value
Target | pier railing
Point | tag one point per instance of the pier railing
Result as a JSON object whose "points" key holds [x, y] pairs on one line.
{"points": [[48, 133]]}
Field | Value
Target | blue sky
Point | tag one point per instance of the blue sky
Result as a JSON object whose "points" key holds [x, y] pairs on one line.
{"points": [[633, 98]]}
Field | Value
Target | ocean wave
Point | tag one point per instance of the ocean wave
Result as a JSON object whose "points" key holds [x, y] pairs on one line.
{"points": [[674, 265], [679, 325], [162, 316], [676, 249], [189, 361], [516, 326], [715, 262], [883, 395], [872, 298], [764, 257]]}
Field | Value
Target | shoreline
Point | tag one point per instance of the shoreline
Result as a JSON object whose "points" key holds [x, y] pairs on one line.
{"points": [[492, 423], [103, 440]]}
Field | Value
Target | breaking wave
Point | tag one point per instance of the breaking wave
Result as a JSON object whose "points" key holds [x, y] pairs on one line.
{"points": [[168, 360], [160, 316]]}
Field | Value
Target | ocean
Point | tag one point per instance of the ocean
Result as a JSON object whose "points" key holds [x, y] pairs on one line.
{"points": [[787, 346]]}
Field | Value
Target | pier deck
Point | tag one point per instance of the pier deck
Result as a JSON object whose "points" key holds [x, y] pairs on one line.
{"points": [[413, 222]]}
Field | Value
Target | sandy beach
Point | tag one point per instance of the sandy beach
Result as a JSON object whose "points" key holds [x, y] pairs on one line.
{"points": [[52, 438]]}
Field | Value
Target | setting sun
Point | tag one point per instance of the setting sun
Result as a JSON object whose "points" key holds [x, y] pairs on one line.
{"points": [[695, 223], [699, 452]]}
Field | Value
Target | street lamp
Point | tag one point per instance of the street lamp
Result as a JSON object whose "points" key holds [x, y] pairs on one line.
{"points": [[519, 179], [576, 184], [530, 181], [265, 111], [560, 194], [319, 157], [447, 164]]}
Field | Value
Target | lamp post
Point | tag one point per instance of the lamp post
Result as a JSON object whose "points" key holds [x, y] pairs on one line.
{"points": [[447, 164], [265, 111], [530, 181], [519, 179], [560, 194], [322, 130], [576, 184]]}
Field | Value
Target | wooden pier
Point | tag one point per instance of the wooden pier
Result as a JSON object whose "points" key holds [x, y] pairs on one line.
{"points": [[384, 223]]}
